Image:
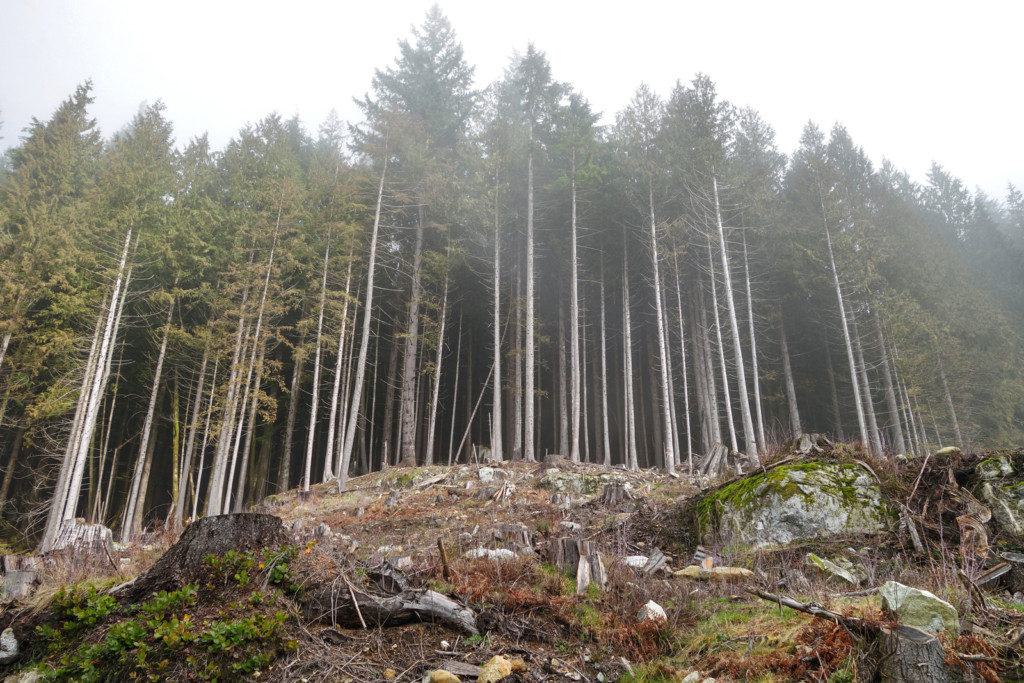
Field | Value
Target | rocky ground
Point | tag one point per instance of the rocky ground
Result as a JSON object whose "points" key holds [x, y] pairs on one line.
{"points": [[825, 565]]}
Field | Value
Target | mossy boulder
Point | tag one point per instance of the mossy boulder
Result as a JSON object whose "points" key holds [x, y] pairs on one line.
{"points": [[805, 500], [918, 608]]}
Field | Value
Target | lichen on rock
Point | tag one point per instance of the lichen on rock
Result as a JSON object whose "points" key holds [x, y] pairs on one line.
{"points": [[804, 500]]}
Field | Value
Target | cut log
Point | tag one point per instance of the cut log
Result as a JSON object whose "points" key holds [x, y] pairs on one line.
{"points": [[183, 561], [341, 604]]}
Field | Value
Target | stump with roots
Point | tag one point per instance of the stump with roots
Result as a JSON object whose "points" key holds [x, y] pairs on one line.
{"points": [[183, 561]]}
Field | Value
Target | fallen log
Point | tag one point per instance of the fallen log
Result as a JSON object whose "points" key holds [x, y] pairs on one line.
{"points": [[341, 604]]}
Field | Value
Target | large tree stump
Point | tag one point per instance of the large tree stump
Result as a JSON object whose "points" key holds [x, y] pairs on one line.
{"points": [[77, 537], [908, 654], [613, 494], [183, 561], [580, 559]]}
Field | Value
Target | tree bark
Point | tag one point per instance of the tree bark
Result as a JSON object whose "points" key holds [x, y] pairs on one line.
{"points": [[574, 330], [682, 356], [730, 421], [563, 408], [762, 442], [528, 393], [428, 457], [336, 386], [837, 414], [869, 404], [958, 438], [627, 365], [605, 431], [496, 428], [178, 503], [285, 468]]}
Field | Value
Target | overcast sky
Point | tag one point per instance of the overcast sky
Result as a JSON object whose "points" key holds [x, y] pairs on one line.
{"points": [[912, 81]]}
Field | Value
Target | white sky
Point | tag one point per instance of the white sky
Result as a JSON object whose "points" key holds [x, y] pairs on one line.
{"points": [[912, 81]]}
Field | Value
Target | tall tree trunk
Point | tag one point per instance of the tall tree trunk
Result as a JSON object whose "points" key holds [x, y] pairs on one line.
{"points": [[605, 431], [178, 505], [364, 342], [197, 489], [517, 407], [632, 461], [837, 414], [762, 442], [409, 375], [243, 468], [733, 441], [563, 408], [65, 496], [128, 528], [136, 519], [787, 373], [336, 386], [528, 392], [700, 374], [12, 461], [387, 431], [496, 428], [311, 436], [749, 437], [95, 507], [666, 410], [682, 355], [455, 392], [574, 329], [428, 457], [869, 403], [898, 443], [285, 468], [958, 438], [861, 419]]}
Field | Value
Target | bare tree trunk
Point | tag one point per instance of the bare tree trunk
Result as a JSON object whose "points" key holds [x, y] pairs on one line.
{"points": [[749, 437], [243, 468], [347, 394], [762, 442], [364, 342], [627, 370], [128, 528], [409, 375], [837, 414], [958, 438], [387, 433], [861, 419], [563, 408], [336, 386], [606, 433], [898, 443], [585, 418], [704, 405], [682, 355], [311, 436], [136, 520], [95, 507], [496, 429], [215, 490], [197, 489], [574, 329], [869, 404], [528, 393], [734, 442], [12, 461], [4, 344], [666, 410], [428, 458], [178, 507], [285, 468], [455, 392], [65, 496], [517, 407], [110, 486], [787, 372]]}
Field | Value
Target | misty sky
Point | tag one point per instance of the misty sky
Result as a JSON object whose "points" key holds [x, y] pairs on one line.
{"points": [[913, 81]]}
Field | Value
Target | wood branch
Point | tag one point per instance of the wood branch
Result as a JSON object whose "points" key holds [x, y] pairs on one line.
{"points": [[853, 624]]}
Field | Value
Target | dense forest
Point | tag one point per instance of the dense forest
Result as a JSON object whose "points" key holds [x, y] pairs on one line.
{"points": [[469, 274]]}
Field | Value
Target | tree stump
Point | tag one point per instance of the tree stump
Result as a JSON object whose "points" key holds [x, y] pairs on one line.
{"points": [[515, 535], [183, 561], [613, 494], [20, 577], [908, 654], [78, 538], [580, 559]]}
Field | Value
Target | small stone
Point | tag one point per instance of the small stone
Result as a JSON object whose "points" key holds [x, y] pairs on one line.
{"points": [[518, 665], [389, 674], [442, 676], [635, 561], [496, 554], [403, 564], [651, 611], [919, 608], [496, 668], [8, 646], [692, 677], [445, 645], [831, 570]]}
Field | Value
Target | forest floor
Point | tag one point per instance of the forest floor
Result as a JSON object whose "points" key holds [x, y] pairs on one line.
{"points": [[248, 621]]}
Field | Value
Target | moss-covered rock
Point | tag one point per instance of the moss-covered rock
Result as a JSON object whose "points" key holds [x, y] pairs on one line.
{"points": [[805, 500], [997, 467], [919, 608]]}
